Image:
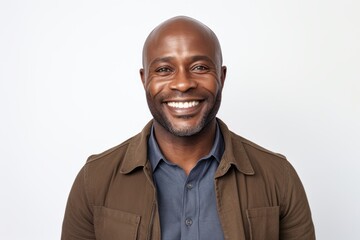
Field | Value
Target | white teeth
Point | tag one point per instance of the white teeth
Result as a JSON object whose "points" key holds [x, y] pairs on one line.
{"points": [[183, 104]]}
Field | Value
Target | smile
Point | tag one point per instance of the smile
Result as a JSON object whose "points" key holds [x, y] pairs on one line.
{"points": [[183, 104]]}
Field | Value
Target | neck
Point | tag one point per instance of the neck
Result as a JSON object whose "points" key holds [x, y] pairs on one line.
{"points": [[185, 151]]}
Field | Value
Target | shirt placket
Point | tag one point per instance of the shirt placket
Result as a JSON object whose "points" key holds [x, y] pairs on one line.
{"points": [[190, 216]]}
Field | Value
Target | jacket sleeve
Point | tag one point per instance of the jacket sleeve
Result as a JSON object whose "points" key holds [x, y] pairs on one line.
{"points": [[296, 221], [78, 218]]}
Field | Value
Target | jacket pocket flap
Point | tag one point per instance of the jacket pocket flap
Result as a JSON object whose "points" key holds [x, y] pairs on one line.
{"points": [[115, 224], [264, 223]]}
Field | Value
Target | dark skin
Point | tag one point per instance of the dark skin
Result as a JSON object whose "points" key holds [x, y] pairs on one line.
{"points": [[183, 79]]}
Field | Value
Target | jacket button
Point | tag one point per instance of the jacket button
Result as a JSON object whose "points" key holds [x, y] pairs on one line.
{"points": [[188, 222]]}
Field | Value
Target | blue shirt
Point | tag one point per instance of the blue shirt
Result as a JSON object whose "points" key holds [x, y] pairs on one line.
{"points": [[187, 204]]}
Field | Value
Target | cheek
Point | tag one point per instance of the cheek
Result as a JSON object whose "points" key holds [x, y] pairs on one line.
{"points": [[213, 86], [154, 87]]}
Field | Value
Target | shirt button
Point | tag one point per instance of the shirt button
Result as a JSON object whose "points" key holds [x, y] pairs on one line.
{"points": [[188, 222], [189, 186]]}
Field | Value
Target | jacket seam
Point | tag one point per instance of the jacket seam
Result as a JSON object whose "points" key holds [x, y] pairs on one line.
{"points": [[96, 157], [263, 149], [286, 183], [86, 188]]}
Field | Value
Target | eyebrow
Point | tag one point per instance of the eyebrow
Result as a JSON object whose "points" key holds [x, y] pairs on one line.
{"points": [[193, 59], [160, 59], [202, 57]]}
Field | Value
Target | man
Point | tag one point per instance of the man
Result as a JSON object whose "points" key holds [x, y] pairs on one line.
{"points": [[186, 176]]}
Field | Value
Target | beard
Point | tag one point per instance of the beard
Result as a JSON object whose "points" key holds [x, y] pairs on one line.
{"points": [[164, 121]]}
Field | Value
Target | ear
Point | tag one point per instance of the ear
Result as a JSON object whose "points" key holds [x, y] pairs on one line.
{"points": [[142, 76], [223, 75]]}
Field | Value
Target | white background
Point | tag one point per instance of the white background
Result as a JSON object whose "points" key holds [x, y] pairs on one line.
{"points": [[69, 87]]}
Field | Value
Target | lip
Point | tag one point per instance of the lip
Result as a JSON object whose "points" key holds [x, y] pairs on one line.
{"points": [[182, 104], [183, 107]]}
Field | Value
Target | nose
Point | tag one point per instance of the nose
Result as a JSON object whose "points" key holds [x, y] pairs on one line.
{"points": [[182, 82]]}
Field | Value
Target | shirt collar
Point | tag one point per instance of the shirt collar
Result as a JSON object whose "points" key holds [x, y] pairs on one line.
{"points": [[155, 155], [234, 152]]}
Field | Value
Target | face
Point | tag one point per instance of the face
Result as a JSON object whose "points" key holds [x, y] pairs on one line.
{"points": [[183, 80]]}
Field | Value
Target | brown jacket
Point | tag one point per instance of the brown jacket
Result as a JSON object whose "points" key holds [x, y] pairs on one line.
{"points": [[258, 193]]}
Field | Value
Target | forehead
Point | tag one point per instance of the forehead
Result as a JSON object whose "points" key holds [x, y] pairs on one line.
{"points": [[180, 41]]}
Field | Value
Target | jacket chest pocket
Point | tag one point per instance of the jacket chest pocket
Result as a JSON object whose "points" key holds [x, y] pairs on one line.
{"points": [[111, 224], [263, 223]]}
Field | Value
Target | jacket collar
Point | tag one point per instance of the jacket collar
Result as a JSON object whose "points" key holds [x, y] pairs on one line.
{"points": [[234, 154], [136, 154]]}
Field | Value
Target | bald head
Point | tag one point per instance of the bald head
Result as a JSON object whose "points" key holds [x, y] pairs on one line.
{"points": [[181, 26], [183, 77]]}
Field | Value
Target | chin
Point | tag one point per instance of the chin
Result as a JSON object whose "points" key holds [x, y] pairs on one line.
{"points": [[184, 132], [187, 129]]}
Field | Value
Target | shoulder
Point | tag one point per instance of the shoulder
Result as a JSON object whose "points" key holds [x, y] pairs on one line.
{"points": [[251, 158], [128, 154], [111, 154], [101, 168], [256, 150], [262, 158], [109, 169]]}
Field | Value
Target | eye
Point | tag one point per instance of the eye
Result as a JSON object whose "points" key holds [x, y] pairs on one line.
{"points": [[200, 68], [163, 70]]}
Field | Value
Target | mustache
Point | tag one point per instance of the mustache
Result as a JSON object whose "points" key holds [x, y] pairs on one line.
{"points": [[181, 95], [191, 94]]}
